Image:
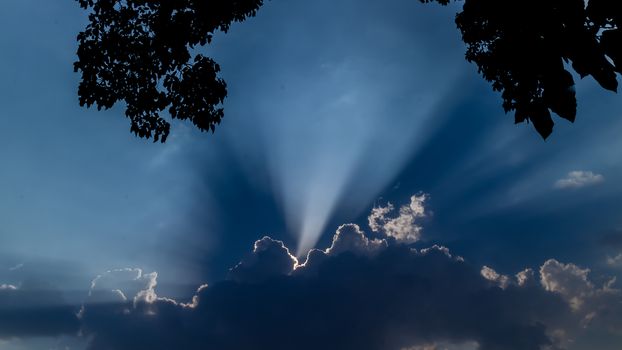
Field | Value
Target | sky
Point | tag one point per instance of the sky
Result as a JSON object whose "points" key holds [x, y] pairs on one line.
{"points": [[364, 190]]}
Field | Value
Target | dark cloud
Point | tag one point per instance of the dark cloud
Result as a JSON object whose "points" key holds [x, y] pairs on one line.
{"points": [[269, 258], [359, 293], [35, 311], [612, 239]]}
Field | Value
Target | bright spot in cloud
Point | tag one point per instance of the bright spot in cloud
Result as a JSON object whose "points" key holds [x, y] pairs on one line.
{"points": [[328, 132]]}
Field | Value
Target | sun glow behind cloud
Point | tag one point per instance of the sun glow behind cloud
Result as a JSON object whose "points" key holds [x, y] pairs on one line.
{"points": [[343, 132], [328, 116]]}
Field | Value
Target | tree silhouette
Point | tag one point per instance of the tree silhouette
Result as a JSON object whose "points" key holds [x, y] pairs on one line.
{"points": [[138, 52], [523, 47]]}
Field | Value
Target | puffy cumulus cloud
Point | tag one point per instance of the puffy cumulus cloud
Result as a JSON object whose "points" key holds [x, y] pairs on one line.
{"points": [[116, 285], [525, 277], [122, 304], [361, 293], [601, 306], [521, 279], [350, 238], [568, 280], [436, 249], [270, 258], [488, 273], [403, 227], [578, 179]]}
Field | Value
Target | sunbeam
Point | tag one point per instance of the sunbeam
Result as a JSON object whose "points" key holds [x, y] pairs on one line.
{"points": [[344, 121], [356, 133]]}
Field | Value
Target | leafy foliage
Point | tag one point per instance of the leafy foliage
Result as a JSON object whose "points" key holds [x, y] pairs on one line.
{"points": [[138, 52], [524, 46]]}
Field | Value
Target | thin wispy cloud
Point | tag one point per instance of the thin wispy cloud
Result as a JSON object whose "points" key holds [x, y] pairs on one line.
{"points": [[615, 261]]}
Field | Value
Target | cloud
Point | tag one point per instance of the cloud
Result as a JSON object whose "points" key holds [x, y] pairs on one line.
{"points": [[525, 277], [397, 298], [350, 238], [601, 306], [360, 293], [492, 275], [615, 261], [16, 267], [28, 310], [404, 227], [579, 179], [270, 258], [568, 280], [114, 285]]}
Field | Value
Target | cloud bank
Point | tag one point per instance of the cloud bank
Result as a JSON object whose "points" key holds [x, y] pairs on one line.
{"points": [[366, 294], [31, 310], [359, 293]]}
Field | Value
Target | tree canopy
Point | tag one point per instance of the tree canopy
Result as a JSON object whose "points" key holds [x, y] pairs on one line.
{"points": [[139, 52], [525, 47]]}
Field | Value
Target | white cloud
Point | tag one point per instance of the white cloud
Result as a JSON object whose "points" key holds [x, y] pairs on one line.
{"points": [[350, 237], [404, 227], [565, 300], [524, 277], [7, 287], [521, 279], [270, 258], [441, 249], [568, 280], [119, 284], [501, 280], [578, 179]]}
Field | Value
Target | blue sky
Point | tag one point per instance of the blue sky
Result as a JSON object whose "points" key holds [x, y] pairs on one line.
{"points": [[334, 108]]}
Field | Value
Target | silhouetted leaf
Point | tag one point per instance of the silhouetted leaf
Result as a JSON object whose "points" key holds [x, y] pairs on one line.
{"points": [[137, 52], [520, 47]]}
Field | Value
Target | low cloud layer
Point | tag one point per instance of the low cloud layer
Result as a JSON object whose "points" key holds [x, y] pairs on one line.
{"points": [[359, 293], [33, 310], [579, 179], [389, 297], [362, 293]]}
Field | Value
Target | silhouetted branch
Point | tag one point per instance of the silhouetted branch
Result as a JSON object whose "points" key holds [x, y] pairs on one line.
{"points": [[137, 51], [523, 48]]}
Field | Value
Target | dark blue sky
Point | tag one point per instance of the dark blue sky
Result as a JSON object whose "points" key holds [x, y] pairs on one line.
{"points": [[334, 108]]}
